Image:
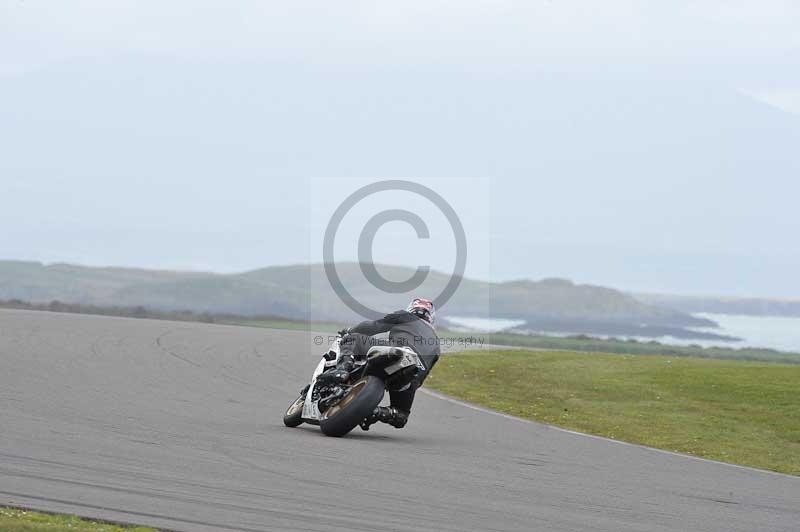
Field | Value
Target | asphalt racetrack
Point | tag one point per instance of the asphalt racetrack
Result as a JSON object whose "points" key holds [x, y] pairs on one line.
{"points": [[178, 426]]}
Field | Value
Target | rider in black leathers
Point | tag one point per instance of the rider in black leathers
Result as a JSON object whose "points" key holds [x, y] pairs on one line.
{"points": [[414, 328]]}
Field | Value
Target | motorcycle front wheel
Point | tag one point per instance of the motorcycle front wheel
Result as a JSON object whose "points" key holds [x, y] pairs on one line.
{"points": [[294, 414], [356, 406]]}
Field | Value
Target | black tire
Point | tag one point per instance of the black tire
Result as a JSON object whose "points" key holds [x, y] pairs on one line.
{"points": [[294, 414], [348, 413]]}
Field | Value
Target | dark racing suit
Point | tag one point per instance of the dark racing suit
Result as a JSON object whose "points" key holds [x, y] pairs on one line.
{"points": [[405, 330]]}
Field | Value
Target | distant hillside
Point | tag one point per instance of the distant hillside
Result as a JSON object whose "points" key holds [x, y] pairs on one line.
{"points": [[746, 306], [303, 292]]}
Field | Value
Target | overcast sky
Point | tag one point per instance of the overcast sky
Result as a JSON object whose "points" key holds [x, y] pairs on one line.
{"points": [[642, 145]]}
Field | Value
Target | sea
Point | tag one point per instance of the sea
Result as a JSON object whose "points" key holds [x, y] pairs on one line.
{"points": [[773, 332]]}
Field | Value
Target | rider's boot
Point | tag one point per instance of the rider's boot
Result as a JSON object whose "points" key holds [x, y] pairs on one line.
{"points": [[340, 373], [346, 363], [390, 415]]}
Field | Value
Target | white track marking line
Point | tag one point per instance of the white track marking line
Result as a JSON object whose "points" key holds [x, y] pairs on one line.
{"points": [[603, 438]]}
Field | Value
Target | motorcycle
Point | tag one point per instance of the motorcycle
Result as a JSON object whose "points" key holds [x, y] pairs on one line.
{"points": [[337, 407]]}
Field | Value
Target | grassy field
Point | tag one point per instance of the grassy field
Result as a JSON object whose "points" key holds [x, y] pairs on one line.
{"points": [[15, 520], [733, 411]]}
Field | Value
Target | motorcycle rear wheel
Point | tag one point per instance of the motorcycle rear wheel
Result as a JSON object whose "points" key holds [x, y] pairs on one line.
{"points": [[348, 413]]}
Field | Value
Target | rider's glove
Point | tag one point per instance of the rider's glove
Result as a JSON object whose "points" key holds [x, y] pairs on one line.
{"points": [[344, 332]]}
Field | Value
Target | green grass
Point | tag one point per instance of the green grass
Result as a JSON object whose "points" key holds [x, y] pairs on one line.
{"points": [[16, 520], [733, 411]]}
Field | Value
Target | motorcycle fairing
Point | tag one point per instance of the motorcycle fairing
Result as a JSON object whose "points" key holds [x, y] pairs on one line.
{"points": [[310, 407]]}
